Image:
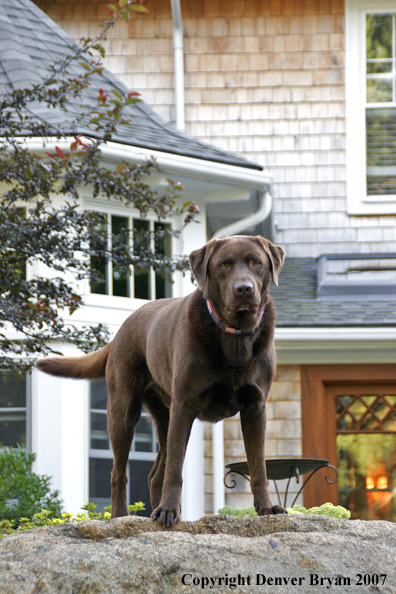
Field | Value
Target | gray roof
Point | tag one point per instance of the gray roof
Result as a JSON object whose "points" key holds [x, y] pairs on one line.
{"points": [[30, 42], [297, 303]]}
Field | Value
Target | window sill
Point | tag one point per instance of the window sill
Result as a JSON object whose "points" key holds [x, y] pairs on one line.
{"points": [[358, 206], [112, 302]]}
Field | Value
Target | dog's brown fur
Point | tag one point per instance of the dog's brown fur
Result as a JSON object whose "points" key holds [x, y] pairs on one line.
{"points": [[170, 357]]}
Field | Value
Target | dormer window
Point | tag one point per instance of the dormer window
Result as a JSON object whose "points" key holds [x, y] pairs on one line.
{"points": [[357, 276]]}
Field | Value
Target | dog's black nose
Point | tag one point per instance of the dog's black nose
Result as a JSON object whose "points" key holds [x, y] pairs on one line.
{"points": [[243, 288]]}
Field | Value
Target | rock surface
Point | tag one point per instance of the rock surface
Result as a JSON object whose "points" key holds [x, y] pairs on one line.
{"points": [[281, 554]]}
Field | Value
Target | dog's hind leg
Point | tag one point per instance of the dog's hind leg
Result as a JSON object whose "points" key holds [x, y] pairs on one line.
{"points": [[121, 434], [123, 408], [160, 415]]}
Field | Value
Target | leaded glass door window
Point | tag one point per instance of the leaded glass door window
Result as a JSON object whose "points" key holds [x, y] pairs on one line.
{"points": [[365, 419]]}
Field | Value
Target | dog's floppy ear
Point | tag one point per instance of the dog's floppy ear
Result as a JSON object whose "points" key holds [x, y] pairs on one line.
{"points": [[199, 260], [276, 255]]}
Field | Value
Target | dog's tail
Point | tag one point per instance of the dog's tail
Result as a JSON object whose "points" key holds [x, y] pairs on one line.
{"points": [[90, 366]]}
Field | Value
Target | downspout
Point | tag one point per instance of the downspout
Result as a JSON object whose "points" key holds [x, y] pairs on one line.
{"points": [[257, 217], [178, 53], [263, 212]]}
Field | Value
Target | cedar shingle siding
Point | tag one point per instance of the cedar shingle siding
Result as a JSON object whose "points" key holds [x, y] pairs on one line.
{"points": [[265, 80]]}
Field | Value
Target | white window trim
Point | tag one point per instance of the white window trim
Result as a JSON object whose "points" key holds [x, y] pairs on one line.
{"points": [[358, 201], [130, 303]]}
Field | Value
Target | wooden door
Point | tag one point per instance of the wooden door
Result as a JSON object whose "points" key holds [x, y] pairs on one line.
{"points": [[348, 410]]}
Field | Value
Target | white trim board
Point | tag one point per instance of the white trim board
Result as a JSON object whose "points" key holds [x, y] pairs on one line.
{"points": [[335, 345]]}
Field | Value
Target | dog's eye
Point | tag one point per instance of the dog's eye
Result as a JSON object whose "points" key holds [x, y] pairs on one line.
{"points": [[256, 263], [224, 265]]}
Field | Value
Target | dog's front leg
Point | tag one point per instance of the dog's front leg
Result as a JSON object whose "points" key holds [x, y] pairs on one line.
{"points": [[253, 422], [181, 420]]}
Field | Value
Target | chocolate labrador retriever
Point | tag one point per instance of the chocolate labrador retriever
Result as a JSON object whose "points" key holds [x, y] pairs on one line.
{"points": [[209, 356]]}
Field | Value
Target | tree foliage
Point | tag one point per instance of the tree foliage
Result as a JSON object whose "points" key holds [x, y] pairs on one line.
{"points": [[40, 218]]}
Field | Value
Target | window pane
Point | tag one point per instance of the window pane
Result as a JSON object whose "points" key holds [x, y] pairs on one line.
{"points": [[138, 484], [21, 212], [141, 274], [379, 90], [12, 423], [100, 478], [381, 151], [99, 394], [12, 429], [346, 423], [163, 285], [390, 423], [99, 281], [12, 391], [121, 276], [367, 475], [379, 36], [379, 67], [143, 439], [370, 423], [99, 436]]}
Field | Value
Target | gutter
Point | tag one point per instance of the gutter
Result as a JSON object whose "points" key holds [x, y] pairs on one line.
{"points": [[209, 170], [178, 52]]}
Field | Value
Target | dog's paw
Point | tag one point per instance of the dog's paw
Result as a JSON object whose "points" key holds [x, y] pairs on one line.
{"points": [[165, 516], [274, 510]]}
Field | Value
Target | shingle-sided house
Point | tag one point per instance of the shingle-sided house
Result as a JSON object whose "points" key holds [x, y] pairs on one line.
{"points": [[306, 90], [63, 422]]}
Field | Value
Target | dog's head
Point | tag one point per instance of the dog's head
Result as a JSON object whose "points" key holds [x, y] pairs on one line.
{"points": [[233, 272]]}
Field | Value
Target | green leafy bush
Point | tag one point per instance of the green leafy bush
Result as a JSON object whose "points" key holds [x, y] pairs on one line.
{"points": [[24, 493], [43, 518], [246, 512], [327, 509]]}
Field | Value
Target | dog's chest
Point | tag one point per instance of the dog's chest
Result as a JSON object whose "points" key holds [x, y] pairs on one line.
{"points": [[222, 400]]}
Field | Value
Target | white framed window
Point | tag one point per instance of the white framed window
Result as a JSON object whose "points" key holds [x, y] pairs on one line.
{"points": [[371, 106], [143, 452], [141, 282]]}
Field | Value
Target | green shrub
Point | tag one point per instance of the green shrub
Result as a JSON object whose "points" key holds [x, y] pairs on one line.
{"points": [[24, 493], [327, 509], [246, 512], [42, 518]]}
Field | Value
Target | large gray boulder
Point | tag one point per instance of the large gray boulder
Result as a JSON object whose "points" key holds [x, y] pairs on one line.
{"points": [[277, 554]]}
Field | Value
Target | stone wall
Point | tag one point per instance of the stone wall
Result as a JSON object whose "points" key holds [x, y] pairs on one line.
{"points": [[264, 79], [285, 554], [284, 439]]}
